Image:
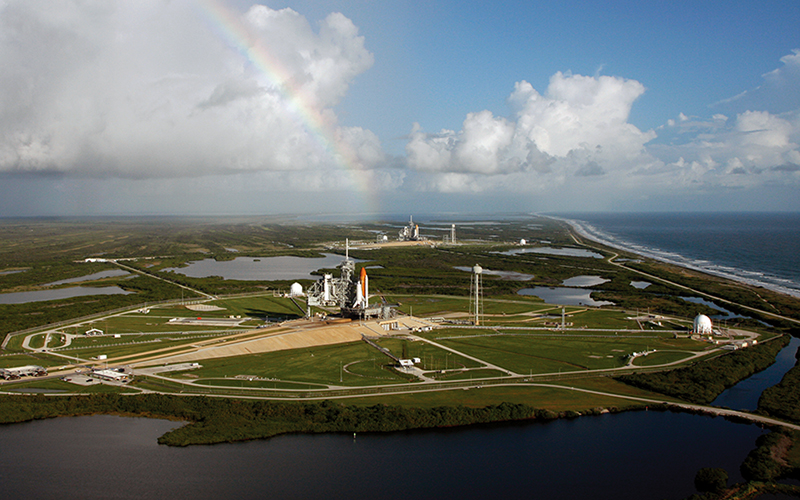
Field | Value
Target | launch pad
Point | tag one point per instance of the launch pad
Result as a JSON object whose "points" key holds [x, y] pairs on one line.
{"points": [[348, 292]]}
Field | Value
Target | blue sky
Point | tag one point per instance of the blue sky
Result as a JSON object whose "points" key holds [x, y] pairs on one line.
{"points": [[151, 107]]}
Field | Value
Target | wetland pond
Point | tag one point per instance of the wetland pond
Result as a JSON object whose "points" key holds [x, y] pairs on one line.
{"points": [[59, 293], [260, 268], [564, 296], [631, 455], [111, 273], [581, 281], [565, 252]]}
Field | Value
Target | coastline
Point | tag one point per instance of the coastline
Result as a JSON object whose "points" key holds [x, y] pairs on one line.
{"points": [[592, 233]]}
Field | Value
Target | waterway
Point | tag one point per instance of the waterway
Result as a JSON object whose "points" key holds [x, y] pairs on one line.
{"points": [[745, 394], [626, 456], [260, 268]]}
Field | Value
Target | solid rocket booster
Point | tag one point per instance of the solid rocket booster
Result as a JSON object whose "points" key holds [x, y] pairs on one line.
{"points": [[359, 295], [364, 286]]}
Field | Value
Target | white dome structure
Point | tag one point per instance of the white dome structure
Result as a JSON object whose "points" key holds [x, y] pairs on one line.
{"points": [[702, 325], [296, 289]]}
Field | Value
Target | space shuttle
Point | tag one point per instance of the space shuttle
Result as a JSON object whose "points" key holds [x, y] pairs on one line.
{"points": [[362, 290]]}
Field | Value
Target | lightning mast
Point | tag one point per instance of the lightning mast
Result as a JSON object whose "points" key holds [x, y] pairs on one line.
{"points": [[476, 295]]}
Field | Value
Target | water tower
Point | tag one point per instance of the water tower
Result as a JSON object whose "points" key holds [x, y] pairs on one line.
{"points": [[476, 295]]}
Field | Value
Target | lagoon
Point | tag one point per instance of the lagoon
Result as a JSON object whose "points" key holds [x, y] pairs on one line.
{"points": [[59, 293], [260, 268], [565, 296], [566, 252], [581, 281], [111, 273]]}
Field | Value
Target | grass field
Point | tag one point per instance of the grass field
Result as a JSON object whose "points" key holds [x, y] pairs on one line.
{"points": [[660, 358], [432, 357], [318, 365], [542, 354], [468, 374], [257, 383]]}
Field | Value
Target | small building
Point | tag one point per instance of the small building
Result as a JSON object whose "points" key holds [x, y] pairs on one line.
{"points": [[406, 363], [94, 332], [113, 375], [22, 371]]}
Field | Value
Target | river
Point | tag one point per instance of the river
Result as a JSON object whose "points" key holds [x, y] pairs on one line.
{"points": [[745, 394]]}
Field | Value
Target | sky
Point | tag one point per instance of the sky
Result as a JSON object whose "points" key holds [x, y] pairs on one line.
{"points": [[215, 107]]}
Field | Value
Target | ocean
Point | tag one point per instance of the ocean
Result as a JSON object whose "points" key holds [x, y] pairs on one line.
{"points": [[756, 248]]}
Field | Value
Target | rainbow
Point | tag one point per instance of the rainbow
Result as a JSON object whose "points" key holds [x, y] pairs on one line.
{"points": [[228, 25]]}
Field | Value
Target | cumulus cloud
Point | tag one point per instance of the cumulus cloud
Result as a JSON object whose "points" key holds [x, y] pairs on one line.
{"points": [[171, 89], [575, 139], [579, 125], [751, 148]]}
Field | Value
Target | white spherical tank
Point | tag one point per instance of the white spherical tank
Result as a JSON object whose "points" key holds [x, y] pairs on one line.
{"points": [[296, 289], [523, 242], [477, 269], [702, 325]]}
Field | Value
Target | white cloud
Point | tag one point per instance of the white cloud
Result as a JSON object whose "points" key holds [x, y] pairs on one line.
{"points": [[575, 141], [579, 124], [150, 88]]}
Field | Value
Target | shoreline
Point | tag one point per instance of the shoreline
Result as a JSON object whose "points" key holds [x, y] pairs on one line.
{"points": [[588, 231]]}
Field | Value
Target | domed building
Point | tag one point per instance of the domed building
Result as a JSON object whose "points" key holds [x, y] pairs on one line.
{"points": [[296, 289], [702, 325]]}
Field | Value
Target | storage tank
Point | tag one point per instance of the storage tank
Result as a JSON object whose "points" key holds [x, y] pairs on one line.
{"points": [[296, 289], [702, 325]]}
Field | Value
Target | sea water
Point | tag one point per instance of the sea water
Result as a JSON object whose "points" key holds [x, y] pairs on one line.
{"points": [[756, 248]]}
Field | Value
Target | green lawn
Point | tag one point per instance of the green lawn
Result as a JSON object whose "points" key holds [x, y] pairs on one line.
{"points": [[660, 358], [432, 357], [257, 383], [542, 354], [468, 374], [318, 365]]}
